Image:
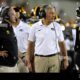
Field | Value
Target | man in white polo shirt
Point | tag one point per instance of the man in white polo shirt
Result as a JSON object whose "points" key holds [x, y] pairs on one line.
{"points": [[44, 37], [22, 32]]}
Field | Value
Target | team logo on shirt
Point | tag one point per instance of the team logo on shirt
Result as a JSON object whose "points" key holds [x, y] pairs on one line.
{"points": [[52, 29], [8, 32], [39, 30], [21, 30]]}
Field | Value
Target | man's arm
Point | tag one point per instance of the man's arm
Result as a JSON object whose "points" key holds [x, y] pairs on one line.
{"points": [[30, 56], [63, 48], [64, 54], [30, 51]]}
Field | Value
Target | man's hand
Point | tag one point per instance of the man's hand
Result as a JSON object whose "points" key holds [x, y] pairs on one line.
{"points": [[3, 54], [65, 63], [30, 56], [29, 64], [63, 50]]}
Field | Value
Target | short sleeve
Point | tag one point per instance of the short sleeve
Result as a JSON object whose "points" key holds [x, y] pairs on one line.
{"points": [[60, 33]]}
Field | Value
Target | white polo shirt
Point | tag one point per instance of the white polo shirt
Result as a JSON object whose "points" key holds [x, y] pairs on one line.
{"points": [[22, 33], [46, 38]]}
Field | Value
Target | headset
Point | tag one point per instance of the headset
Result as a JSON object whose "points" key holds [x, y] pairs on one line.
{"points": [[5, 14], [43, 11]]}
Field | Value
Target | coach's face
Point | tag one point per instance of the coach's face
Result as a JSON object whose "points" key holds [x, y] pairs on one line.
{"points": [[12, 15], [50, 14]]}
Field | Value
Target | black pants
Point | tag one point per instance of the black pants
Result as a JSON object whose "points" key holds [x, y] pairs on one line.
{"points": [[71, 62], [78, 58]]}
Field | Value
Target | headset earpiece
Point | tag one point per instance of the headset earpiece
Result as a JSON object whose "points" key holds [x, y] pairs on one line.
{"points": [[5, 14], [43, 11]]}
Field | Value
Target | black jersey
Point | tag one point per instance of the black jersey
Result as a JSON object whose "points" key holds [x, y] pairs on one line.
{"points": [[77, 44]]}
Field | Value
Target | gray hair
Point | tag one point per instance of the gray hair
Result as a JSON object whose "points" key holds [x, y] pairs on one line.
{"points": [[47, 7]]}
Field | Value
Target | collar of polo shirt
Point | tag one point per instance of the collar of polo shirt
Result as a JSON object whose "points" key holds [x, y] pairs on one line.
{"points": [[41, 24]]}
